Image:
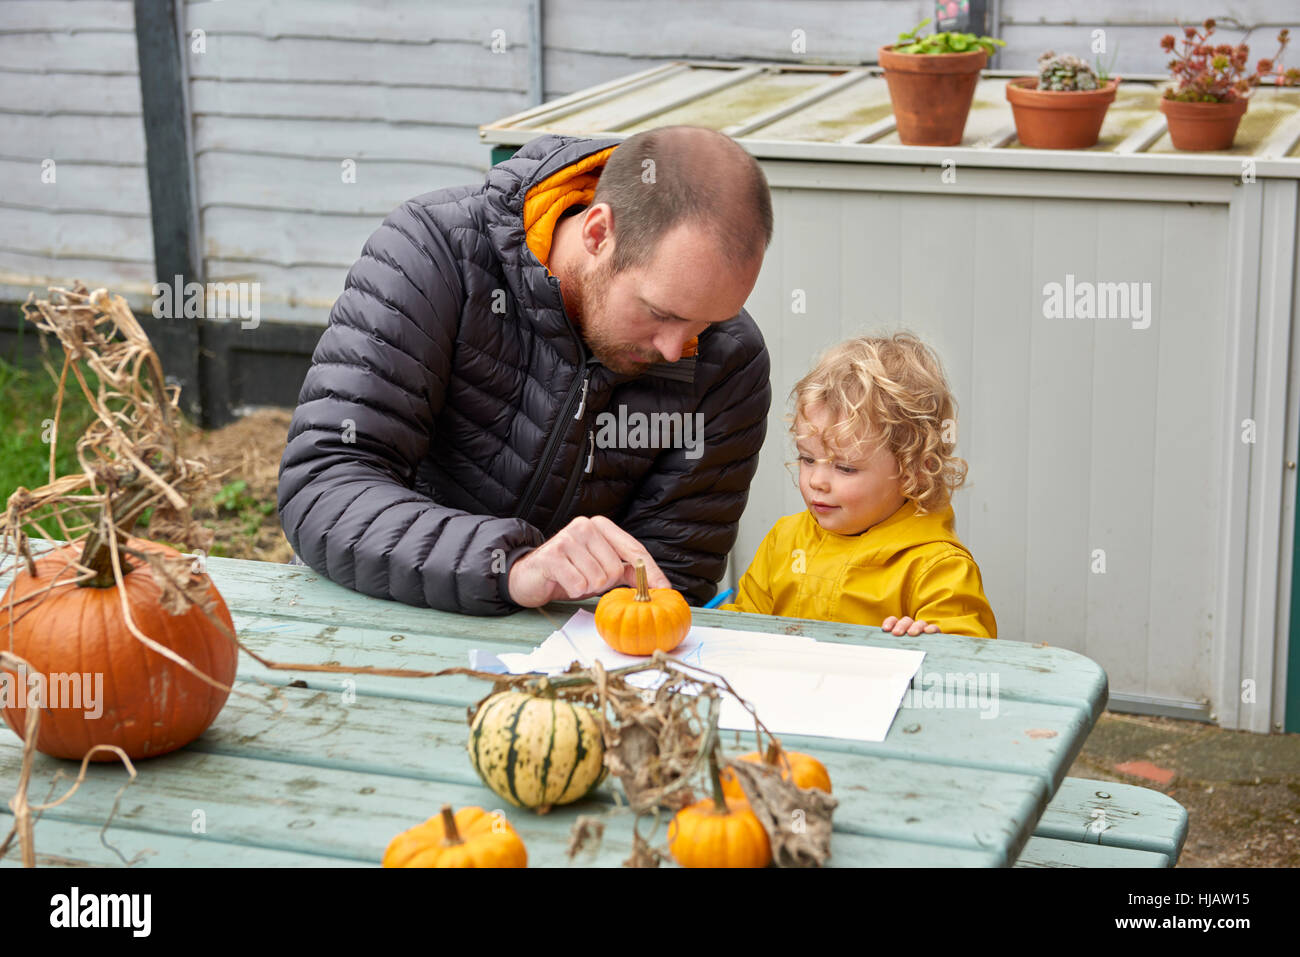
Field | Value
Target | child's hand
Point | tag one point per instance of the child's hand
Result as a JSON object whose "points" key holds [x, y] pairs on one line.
{"points": [[905, 625]]}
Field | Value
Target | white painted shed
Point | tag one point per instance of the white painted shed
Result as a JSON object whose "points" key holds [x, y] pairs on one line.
{"points": [[1132, 479]]}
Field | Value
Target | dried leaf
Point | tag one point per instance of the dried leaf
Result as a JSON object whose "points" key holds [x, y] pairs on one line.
{"points": [[169, 524], [797, 820], [179, 585], [643, 855], [653, 742], [586, 829]]}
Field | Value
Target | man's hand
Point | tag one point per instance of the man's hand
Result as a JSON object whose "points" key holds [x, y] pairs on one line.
{"points": [[905, 625], [587, 557]]}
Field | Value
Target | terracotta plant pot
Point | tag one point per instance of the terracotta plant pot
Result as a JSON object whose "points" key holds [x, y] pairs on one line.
{"points": [[931, 93], [1058, 119], [1203, 126]]}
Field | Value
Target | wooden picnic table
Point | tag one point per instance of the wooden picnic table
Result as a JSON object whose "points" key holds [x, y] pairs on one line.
{"points": [[355, 759]]}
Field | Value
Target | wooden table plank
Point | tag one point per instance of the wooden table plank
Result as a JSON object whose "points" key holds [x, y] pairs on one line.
{"points": [[342, 814], [943, 735], [251, 589], [69, 844], [1029, 672], [393, 736], [1047, 852], [1020, 678]]}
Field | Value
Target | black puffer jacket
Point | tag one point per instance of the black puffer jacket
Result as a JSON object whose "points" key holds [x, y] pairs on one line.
{"points": [[442, 433]]}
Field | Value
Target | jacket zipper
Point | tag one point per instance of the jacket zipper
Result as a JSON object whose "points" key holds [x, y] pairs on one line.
{"points": [[575, 483], [553, 442], [575, 480]]}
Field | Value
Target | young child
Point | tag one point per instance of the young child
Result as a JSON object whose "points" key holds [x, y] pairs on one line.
{"points": [[874, 427]]}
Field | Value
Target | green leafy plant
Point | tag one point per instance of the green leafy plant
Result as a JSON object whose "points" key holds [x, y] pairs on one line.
{"points": [[912, 42], [233, 497], [1062, 72]]}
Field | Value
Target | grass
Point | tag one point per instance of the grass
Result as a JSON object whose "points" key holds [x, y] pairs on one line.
{"points": [[234, 499], [28, 395]]}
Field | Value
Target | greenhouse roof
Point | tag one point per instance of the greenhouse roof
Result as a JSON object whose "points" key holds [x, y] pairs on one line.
{"points": [[780, 111]]}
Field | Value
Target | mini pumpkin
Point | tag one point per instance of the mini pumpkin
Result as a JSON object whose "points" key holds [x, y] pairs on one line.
{"points": [[642, 620], [718, 832], [469, 838], [804, 771], [536, 752], [701, 835]]}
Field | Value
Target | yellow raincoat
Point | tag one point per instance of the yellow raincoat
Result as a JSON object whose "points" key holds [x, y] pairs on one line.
{"points": [[909, 564]]}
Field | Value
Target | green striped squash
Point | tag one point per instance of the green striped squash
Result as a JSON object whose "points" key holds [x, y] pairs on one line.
{"points": [[536, 752]]}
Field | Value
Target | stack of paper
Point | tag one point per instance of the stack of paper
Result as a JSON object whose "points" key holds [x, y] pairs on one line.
{"points": [[797, 685]]}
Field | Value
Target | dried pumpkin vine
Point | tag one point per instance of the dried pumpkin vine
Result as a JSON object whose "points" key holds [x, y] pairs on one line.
{"points": [[131, 465]]}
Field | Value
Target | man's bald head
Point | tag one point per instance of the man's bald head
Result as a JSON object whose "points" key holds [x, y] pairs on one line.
{"points": [[685, 175]]}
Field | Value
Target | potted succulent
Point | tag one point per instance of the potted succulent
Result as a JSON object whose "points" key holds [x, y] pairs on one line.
{"points": [[1063, 107], [932, 83], [1212, 89]]}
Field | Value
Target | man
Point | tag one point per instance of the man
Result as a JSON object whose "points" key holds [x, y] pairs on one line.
{"points": [[444, 450]]}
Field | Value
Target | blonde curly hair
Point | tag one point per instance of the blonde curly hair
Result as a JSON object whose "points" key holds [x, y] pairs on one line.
{"points": [[888, 390]]}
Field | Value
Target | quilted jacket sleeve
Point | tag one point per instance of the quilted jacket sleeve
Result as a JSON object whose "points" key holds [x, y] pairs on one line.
{"points": [[687, 511], [365, 420]]}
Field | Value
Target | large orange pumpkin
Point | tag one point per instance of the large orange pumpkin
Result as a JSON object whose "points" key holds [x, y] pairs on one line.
{"points": [[641, 620], [149, 704]]}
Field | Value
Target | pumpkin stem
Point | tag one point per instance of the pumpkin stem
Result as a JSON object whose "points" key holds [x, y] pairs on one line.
{"points": [[450, 836], [773, 755], [97, 556], [96, 553], [715, 777], [642, 585]]}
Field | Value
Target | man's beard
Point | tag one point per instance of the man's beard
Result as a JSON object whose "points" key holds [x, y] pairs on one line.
{"points": [[592, 293]]}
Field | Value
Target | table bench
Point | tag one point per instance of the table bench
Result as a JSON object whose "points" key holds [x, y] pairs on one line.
{"points": [[1107, 824]]}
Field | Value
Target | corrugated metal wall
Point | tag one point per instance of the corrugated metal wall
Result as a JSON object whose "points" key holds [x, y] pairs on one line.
{"points": [[1091, 442]]}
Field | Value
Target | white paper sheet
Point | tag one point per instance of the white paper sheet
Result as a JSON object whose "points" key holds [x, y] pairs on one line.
{"points": [[796, 684]]}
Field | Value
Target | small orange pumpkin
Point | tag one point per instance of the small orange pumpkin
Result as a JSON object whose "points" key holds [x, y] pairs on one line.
{"points": [[804, 771], [469, 838], [641, 620], [703, 836], [718, 832]]}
